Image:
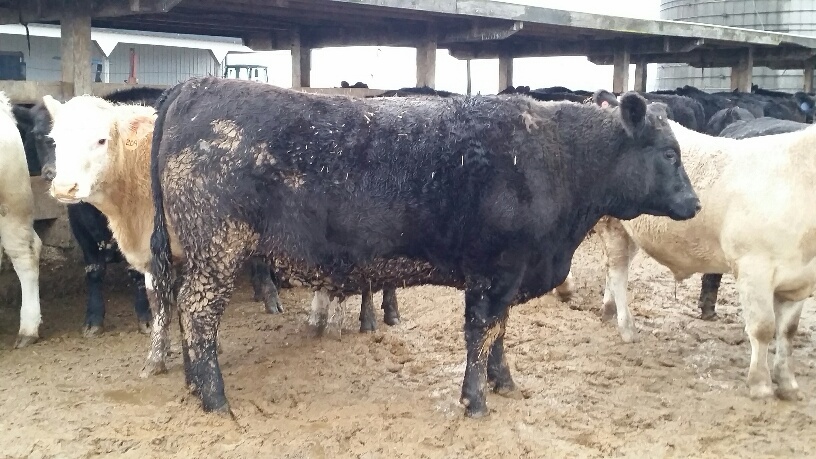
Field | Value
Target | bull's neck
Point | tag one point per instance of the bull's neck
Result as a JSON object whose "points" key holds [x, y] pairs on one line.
{"points": [[125, 191]]}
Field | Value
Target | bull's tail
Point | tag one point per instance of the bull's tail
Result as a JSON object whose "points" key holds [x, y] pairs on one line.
{"points": [[161, 264]]}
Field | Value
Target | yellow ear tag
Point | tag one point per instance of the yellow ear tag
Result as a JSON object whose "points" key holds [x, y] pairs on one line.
{"points": [[131, 143]]}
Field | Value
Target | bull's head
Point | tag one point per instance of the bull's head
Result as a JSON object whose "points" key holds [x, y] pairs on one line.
{"points": [[88, 135]]}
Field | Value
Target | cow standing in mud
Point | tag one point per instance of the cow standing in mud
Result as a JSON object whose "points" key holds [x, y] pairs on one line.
{"points": [[488, 194], [17, 236]]}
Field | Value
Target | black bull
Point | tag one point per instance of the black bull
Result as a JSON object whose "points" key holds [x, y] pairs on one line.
{"points": [[490, 194]]}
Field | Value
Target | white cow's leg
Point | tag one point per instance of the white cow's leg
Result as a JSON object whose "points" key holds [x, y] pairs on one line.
{"points": [[620, 249], [23, 247], [336, 314], [756, 297], [787, 322], [318, 316], [566, 289]]}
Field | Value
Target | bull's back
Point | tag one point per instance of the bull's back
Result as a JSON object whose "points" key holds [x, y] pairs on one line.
{"points": [[331, 172]]}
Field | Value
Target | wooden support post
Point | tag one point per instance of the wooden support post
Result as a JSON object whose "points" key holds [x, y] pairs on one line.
{"points": [[75, 47], [505, 71], [426, 63], [640, 76], [468, 78], [807, 84], [301, 62], [742, 73], [620, 76]]}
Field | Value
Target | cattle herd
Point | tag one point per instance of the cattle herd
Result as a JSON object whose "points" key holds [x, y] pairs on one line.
{"points": [[488, 194]]}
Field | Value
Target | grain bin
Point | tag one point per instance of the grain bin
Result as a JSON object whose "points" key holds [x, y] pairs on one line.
{"points": [[788, 16]]}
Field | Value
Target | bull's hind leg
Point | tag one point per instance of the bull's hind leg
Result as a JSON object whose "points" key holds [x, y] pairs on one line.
{"points": [[140, 302], [23, 247], [787, 322], [486, 311], [203, 296], [708, 296], [159, 333], [756, 297], [263, 285], [391, 314], [498, 372]]}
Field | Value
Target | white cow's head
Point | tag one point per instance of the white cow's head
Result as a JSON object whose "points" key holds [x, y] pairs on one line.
{"points": [[89, 134]]}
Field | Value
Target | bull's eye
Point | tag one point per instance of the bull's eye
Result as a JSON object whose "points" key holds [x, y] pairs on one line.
{"points": [[102, 141], [671, 156]]}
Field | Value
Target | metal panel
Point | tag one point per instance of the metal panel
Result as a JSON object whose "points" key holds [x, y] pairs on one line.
{"points": [[163, 65], [160, 64], [793, 16]]}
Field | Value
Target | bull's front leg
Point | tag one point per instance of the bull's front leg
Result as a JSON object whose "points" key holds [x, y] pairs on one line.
{"points": [[486, 312], [141, 304], [263, 285]]}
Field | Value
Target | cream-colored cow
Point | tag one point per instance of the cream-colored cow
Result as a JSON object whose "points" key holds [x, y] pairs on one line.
{"points": [[17, 236], [757, 223]]}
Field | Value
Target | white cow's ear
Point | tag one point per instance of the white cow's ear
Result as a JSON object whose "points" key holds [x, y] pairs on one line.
{"points": [[135, 128], [52, 105]]}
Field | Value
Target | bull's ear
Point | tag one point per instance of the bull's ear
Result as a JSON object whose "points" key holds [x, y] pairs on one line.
{"points": [[604, 99], [52, 105], [632, 112]]}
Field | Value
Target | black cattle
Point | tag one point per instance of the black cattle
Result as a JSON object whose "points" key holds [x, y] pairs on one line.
{"points": [[92, 233], [491, 194], [711, 103], [545, 94], [358, 85], [744, 129], [725, 118], [25, 124], [417, 91], [684, 110]]}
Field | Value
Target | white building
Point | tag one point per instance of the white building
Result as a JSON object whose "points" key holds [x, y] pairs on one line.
{"points": [[161, 58]]}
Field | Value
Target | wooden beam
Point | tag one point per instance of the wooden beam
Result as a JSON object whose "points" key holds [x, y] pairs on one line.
{"points": [[52, 10], [775, 58], [478, 33], [640, 76], [505, 72], [426, 63], [620, 75], [570, 46], [742, 73], [301, 61], [32, 92], [807, 77]]}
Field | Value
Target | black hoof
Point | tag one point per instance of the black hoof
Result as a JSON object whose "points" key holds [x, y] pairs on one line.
{"points": [[90, 331], [391, 321]]}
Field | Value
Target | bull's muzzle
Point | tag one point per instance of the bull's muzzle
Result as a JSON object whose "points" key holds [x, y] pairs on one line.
{"points": [[64, 192]]}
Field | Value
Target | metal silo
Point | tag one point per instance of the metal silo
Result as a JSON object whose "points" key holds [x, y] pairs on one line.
{"points": [[791, 16]]}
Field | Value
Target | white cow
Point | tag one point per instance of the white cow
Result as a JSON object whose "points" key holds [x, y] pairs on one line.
{"points": [[17, 236], [757, 223]]}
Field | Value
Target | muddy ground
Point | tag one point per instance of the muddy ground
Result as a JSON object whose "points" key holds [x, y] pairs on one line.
{"points": [[680, 392]]}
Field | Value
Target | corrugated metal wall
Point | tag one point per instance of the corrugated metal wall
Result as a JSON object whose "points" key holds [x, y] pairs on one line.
{"points": [[160, 64], [792, 16], [156, 64]]}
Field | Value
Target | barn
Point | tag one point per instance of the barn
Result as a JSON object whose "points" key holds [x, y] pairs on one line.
{"points": [[117, 56]]}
